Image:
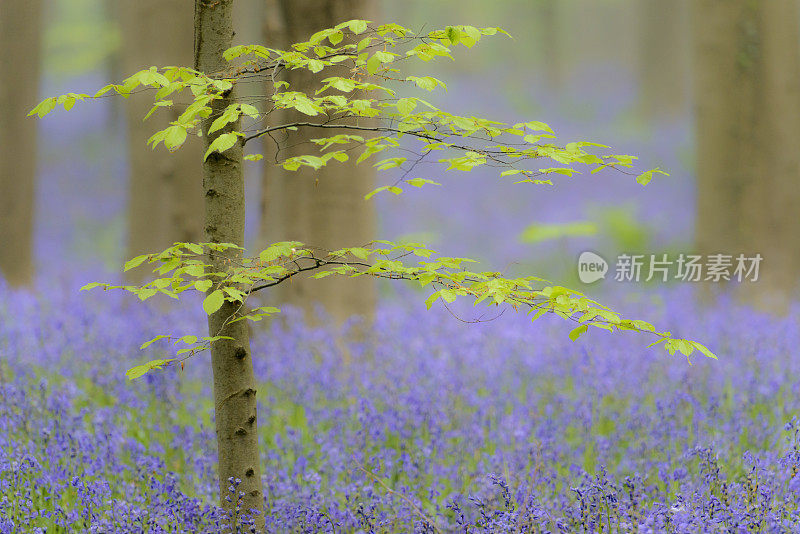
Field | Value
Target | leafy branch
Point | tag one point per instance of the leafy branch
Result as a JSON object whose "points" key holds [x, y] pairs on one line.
{"points": [[350, 103], [182, 267]]}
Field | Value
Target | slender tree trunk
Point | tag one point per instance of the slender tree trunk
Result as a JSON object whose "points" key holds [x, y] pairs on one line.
{"points": [[20, 36], [324, 208], [231, 359], [747, 76], [164, 191]]}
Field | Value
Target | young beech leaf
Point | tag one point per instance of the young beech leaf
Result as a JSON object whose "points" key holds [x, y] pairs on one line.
{"points": [[222, 143], [148, 343], [358, 26], [213, 301], [577, 331], [419, 182], [406, 105], [203, 285], [92, 285], [44, 107], [139, 370], [135, 262], [646, 176], [175, 137]]}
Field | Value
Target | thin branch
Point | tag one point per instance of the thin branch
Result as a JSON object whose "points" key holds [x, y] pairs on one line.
{"points": [[378, 129]]}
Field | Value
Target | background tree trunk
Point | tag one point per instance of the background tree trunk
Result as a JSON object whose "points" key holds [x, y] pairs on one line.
{"points": [[663, 52], [231, 359], [165, 192], [20, 42], [324, 208], [747, 72]]}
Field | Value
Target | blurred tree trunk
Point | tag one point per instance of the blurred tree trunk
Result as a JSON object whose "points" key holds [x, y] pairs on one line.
{"points": [[663, 57], [747, 76], [165, 190], [552, 42], [20, 42], [599, 35], [324, 208], [231, 359]]}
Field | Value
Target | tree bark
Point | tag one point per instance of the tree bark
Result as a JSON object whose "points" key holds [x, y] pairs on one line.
{"points": [[663, 54], [231, 359], [747, 76], [164, 189], [20, 42], [324, 208]]}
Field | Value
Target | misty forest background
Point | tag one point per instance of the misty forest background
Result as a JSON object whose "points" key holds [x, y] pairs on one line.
{"points": [[707, 90]]}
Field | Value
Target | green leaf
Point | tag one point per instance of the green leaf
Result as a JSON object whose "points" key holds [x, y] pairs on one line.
{"points": [[92, 285], [335, 38], [419, 182], [342, 84], [373, 64], [222, 143], [358, 26], [44, 107], [213, 302], [315, 65], [536, 126], [249, 110], [430, 300], [378, 190], [148, 343], [175, 136], [576, 332], [704, 349], [139, 370], [360, 252], [539, 312], [146, 293], [203, 285], [135, 262], [406, 105], [363, 43], [305, 106], [448, 295], [646, 176]]}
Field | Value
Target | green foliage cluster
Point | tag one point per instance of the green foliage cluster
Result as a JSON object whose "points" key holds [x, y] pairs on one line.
{"points": [[375, 121]]}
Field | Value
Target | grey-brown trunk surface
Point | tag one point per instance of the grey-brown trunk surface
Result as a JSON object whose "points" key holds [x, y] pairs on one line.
{"points": [[231, 360], [324, 208], [20, 36], [747, 82], [165, 195]]}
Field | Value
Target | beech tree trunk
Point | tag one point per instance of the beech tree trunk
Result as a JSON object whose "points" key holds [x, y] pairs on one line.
{"points": [[165, 202], [747, 77], [20, 43], [663, 60], [324, 208], [231, 359]]}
